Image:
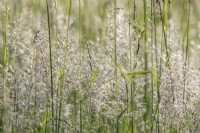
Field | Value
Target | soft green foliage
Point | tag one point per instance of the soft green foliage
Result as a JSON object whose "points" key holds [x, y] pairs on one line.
{"points": [[105, 66]]}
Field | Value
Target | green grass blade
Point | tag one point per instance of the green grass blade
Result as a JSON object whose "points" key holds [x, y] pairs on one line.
{"points": [[5, 109], [118, 117], [51, 65], [93, 78], [44, 123], [63, 68], [139, 73], [119, 69], [154, 76], [122, 73]]}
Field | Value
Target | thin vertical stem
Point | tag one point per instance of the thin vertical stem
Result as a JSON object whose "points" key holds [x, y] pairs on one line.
{"points": [[80, 68], [115, 45], [130, 61], [5, 101], [182, 25], [129, 34], [152, 86], [115, 58], [164, 34], [187, 47], [188, 33], [155, 31], [63, 69], [146, 100], [51, 67]]}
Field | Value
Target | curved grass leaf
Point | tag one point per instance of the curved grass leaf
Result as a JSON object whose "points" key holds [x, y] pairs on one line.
{"points": [[139, 73], [93, 78]]}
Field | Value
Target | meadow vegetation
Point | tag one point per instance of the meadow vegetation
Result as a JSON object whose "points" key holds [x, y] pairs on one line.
{"points": [[99, 66]]}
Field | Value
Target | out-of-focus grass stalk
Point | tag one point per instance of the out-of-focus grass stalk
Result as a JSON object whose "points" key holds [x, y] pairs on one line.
{"points": [[115, 46], [188, 34], [155, 83], [15, 107], [51, 67], [44, 124], [5, 101], [166, 6], [133, 124], [80, 68], [187, 45], [131, 127], [130, 69], [146, 96], [58, 88], [155, 30], [58, 73], [56, 20], [102, 16], [164, 15], [164, 31], [129, 34], [35, 95], [182, 25], [115, 57], [64, 66], [152, 54]]}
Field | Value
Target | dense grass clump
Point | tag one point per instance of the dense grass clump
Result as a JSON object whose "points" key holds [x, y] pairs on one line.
{"points": [[106, 66]]}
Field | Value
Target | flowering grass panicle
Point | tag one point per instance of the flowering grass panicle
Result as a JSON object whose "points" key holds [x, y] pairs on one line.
{"points": [[69, 67]]}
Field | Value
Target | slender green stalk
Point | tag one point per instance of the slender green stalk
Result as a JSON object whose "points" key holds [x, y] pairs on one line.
{"points": [[155, 31], [164, 20], [158, 96], [56, 21], [133, 123], [187, 47], [164, 33], [146, 97], [115, 46], [64, 66], [152, 85], [115, 56], [35, 93], [166, 6], [57, 101], [51, 66], [188, 34], [5, 101], [133, 87], [129, 34], [157, 113], [182, 25], [80, 69], [81, 124], [45, 129], [129, 98]]}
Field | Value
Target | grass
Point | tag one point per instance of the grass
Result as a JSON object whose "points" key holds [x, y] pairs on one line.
{"points": [[80, 68], [99, 66], [51, 66], [5, 111]]}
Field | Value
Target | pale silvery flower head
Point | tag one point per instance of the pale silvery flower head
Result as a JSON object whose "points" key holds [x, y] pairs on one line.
{"points": [[179, 88]]}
